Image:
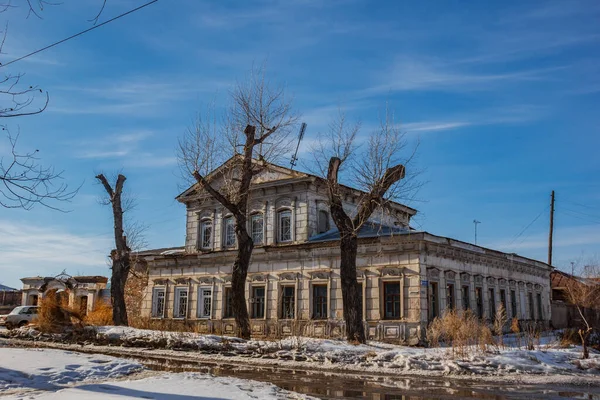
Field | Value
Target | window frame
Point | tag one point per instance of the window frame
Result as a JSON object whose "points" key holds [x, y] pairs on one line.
{"points": [[227, 307], [155, 290], [322, 215], [450, 296], [177, 302], [531, 306], [257, 216], [255, 313], [479, 302], [226, 225], [280, 214], [200, 302], [291, 302], [323, 304], [466, 297], [538, 298], [492, 303], [434, 300], [205, 223], [513, 303]]}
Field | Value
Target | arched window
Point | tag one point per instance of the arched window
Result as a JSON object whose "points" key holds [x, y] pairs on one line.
{"points": [[228, 232], [257, 227], [284, 226], [323, 221], [206, 229]]}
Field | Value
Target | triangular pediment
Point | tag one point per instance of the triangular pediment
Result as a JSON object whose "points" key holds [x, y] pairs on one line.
{"points": [[267, 173]]}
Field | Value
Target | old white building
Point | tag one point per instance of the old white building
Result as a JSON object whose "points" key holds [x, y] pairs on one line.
{"points": [[293, 286], [80, 291]]}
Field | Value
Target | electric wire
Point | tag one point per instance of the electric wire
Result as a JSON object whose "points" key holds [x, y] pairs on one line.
{"points": [[78, 34]]}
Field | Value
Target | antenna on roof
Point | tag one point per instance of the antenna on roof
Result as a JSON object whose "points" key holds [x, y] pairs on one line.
{"points": [[300, 136]]}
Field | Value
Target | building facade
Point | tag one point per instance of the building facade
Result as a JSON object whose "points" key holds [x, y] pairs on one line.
{"points": [[78, 291], [293, 287]]}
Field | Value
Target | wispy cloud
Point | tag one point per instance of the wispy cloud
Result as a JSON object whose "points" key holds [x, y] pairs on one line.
{"points": [[55, 250], [414, 74], [564, 237]]}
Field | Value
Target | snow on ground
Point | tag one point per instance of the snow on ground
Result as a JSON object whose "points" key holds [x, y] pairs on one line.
{"points": [[47, 369], [59, 374], [171, 386], [547, 358]]}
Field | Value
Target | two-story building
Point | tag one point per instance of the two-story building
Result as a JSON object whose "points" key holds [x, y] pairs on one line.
{"points": [[408, 277]]}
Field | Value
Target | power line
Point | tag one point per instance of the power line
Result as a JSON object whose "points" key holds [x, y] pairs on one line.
{"points": [[579, 204], [529, 225], [569, 214], [582, 213], [79, 33]]}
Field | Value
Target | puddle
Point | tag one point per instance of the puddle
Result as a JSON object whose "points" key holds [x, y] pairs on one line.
{"points": [[376, 387]]}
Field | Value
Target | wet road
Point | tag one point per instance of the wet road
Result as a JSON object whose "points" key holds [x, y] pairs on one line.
{"points": [[376, 387]]}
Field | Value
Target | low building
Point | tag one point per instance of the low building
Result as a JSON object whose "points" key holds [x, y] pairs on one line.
{"points": [[80, 291], [293, 287], [565, 314]]}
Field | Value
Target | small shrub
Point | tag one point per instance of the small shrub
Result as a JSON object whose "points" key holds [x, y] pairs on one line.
{"points": [[101, 315]]}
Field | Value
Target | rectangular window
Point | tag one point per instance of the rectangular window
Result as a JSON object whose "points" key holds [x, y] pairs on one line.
{"points": [[229, 232], [258, 302], [206, 235], [256, 228], [479, 301], [204, 302], [158, 302], [539, 306], [434, 308], [228, 306], [466, 299], [531, 309], [288, 302], [492, 303], [503, 299], [323, 221], [181, 303], [450, 297], [513, 304], [391, 298], [285, 226], [359, 289], [319, 299]]}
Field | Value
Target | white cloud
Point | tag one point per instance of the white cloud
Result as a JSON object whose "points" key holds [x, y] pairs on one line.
{"points": [[35, 250]]}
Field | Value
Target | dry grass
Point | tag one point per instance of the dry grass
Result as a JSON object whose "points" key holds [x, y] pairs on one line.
{"points": [[55, 315], [102, 315], [462, 331]]}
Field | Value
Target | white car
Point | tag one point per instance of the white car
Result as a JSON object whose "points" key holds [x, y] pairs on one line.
{"points": [[20, 316]]}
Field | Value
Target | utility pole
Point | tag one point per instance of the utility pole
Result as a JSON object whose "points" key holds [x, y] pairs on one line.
{"points": [[551, 229], [475, 222]]}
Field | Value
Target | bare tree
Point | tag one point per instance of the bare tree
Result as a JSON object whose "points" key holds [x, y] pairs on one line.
{"points": [[376, 168], [254, 129], [583, 292], [24, 182], [120, 256]]}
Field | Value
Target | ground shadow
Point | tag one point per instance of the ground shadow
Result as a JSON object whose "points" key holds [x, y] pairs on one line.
{"points": [[113, 390], [23, 380]]}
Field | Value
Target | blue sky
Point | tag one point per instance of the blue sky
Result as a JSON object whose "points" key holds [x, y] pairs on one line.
{"points": [[503, 96]]}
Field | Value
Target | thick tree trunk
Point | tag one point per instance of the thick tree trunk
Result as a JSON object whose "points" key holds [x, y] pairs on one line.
{"points": [[118, 280], [350, 294], [238, 279]]}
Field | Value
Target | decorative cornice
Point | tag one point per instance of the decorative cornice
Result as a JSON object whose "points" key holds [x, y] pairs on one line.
{"points": [[320, 275]]}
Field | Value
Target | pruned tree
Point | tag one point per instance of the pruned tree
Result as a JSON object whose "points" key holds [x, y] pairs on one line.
{"points": [[583, 292], [120, 255], [377, 169], [255, 128]]}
